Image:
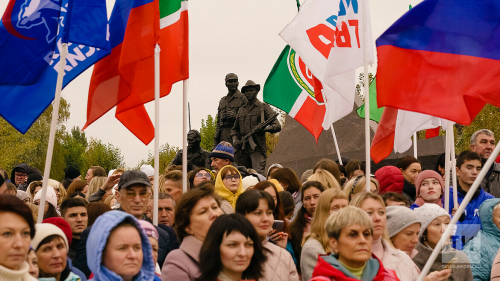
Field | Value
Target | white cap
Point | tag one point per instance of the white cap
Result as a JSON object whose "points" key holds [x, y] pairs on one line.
{"points": [[148, 170], [249, 181], [51, 196]]}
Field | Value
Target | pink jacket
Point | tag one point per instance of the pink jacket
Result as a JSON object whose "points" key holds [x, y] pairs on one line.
{"points": [[183, 264], [279, 265], [400, 262]]}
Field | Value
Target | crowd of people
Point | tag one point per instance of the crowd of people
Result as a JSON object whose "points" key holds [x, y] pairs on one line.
{"points": [[235, 224]]}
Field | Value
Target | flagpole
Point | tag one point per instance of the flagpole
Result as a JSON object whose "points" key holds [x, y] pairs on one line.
{"points": [[157, 136], [52, 134], [415, 145], [453, 165], [185, 85], [461, 208], [336, 144], [367, 100], [447, 169]]}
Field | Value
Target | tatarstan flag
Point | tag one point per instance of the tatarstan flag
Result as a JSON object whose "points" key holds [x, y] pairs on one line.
{"points": [[291, 87], [125, 79]]}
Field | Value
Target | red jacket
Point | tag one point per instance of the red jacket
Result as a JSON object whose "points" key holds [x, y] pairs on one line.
{"points": [[326, 272]]}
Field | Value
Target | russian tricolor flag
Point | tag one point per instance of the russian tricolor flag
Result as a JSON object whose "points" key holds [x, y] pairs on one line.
{"points": [[442, 58]]}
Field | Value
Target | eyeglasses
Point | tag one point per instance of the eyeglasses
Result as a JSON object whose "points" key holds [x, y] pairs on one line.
{"points": [[231, 177], [131, 194], [203, 175], [21, 175]]}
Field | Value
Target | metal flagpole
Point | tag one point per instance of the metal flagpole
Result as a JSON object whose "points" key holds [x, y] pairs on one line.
{"points": [[465, 202], [415, 145], [453, 165], [185, 85], [336, 144], [157, 135], [53, 125], [367, 101], [447, 168]]}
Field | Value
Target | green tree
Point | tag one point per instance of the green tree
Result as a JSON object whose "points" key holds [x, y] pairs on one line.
{"points": [[272, 139], [75, 144], [486, 119], [31, 148], [105, 155], [207, 132], [167, 154]]}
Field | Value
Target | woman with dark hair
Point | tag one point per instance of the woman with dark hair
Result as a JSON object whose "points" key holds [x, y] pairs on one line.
{"points": [[75, 186], [198, 176], [330, 166], [440, 163], [231, 251], [410, 167], [290, 182], [258, 206], [120, 249], [301, 225], [195, 213], [17, 228], [354, 169], [94, 210]]}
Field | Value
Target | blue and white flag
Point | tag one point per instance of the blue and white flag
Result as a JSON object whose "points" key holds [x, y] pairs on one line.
{"points": [[31, 36]]}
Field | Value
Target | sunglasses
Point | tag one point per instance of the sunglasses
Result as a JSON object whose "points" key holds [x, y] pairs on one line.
{"points": [[203, 175], [231, 177]]}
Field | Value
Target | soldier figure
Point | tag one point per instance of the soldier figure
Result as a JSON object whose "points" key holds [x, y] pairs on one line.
{"points": [[228, 108], [249, 119], [197, 156]]}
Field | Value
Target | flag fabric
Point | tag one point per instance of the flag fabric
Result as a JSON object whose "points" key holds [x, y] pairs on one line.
{"points": [[396, 128], [126, 78], [31, 37], [442, 58], [292, 88], [329, 37], [375, 111]]}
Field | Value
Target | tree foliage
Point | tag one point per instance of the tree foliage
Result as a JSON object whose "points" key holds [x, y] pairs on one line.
{"points": [[207, 132], [167, 154], [70, 148], [486, 119], [105, 155]]}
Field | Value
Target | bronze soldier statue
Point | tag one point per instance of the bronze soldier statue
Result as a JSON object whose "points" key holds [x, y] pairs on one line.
{"points": [[228, 108], [253, 120], [197, 156]]}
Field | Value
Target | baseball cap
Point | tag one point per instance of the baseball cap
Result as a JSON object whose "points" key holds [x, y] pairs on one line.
{"points": [[129, 178]]}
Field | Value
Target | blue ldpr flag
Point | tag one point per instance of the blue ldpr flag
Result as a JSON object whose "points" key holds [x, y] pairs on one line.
{"points": [[31, 36]]}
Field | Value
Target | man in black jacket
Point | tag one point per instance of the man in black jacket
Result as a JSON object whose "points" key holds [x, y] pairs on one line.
{"points": [[133, 197]]}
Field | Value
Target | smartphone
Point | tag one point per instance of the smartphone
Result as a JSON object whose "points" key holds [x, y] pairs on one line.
{"points": [[448, 265], [278, 225]]}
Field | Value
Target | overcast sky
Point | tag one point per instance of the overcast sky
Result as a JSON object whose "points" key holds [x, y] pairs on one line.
{"points": [[239, 36]]}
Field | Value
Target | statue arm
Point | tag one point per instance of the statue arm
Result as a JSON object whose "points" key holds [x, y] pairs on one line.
{"points": [[275, 126]]}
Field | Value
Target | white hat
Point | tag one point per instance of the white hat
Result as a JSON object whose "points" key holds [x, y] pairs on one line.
{"points": [[148, 170], [427, 213], [44, 230], [249, 181], [51, 196]]}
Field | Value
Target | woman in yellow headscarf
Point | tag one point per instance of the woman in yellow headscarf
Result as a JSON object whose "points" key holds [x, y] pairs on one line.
{"points": [[228, 185]]}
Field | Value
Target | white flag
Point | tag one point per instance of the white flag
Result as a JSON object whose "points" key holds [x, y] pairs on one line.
{"points": [[329, 36]]}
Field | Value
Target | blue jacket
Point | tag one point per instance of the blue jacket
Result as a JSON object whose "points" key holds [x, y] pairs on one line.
{"points": [[484, 247], [469, 225], [96, 243]]}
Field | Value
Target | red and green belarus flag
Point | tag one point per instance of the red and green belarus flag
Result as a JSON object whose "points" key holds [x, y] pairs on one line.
{"points": [[291, 87]]}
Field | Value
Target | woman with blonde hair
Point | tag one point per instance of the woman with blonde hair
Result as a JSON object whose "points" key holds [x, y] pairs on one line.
{"points": [[382, 247], [325, 178], [317, 242], [358, 184], [59, 189], [94, 185]]}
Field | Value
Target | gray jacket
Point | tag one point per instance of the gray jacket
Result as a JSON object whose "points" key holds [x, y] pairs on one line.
{"points": [[309, 257], [492, 183]]}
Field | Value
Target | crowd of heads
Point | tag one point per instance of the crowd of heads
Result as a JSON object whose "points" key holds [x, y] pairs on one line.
{"points": [[230, 223]]}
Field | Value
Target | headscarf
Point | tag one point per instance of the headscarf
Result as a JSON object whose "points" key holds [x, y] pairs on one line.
{"points": [[225, 193]]}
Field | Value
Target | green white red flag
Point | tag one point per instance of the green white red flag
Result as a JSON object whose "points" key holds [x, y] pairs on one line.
{"points": [[291, 87]]}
